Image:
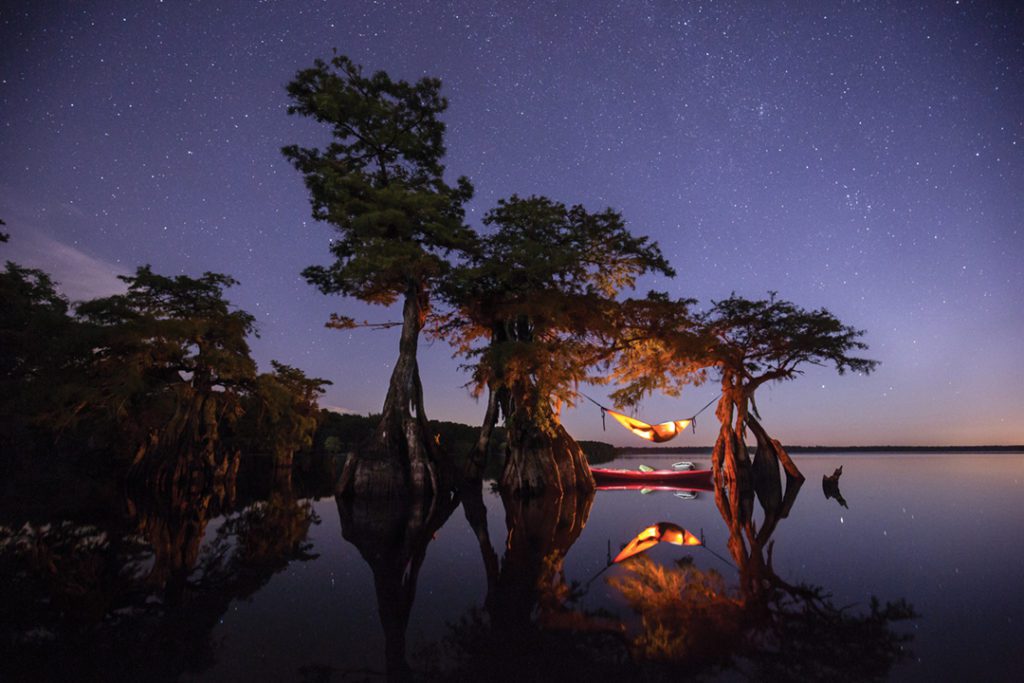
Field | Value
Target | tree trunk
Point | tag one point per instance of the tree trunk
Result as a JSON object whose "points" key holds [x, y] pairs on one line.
{"points": [[773, 451], [284, 458], [729, 457], [540, 462], [477, 458], [189, 445], [401, 457]]}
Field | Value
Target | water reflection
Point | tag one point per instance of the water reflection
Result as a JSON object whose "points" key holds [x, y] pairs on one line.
{"points": [[128, 597], [692, 621], [136, 588], [531, 626], [689, 620], [830, 486], [392, 535]]}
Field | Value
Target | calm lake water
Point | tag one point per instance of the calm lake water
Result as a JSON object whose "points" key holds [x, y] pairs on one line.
{"points": [[295, 589]]}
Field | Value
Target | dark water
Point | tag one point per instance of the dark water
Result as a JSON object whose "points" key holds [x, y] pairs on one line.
{"points": [[281, 587]]}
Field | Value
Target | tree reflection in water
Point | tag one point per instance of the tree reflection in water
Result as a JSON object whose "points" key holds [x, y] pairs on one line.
{"points": [[137, 597], [691, 621], [530, 627], [392, 535]]}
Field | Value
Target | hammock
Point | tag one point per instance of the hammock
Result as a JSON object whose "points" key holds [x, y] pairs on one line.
{"points": [[656, 433]]}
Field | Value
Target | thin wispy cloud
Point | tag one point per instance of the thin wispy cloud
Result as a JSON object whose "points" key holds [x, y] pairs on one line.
{"points": [[79, 275]]}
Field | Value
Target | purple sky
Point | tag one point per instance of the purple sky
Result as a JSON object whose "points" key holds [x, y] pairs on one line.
{"points": [[863, 156]]}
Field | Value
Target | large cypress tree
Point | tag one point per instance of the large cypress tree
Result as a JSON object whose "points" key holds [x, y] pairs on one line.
{"points": [[753, 342], [535, 310], [380, 184]]}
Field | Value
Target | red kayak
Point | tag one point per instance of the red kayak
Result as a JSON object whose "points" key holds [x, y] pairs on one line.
{"points": [[691, 479]]}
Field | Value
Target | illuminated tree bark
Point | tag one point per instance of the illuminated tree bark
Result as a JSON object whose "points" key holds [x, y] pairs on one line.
{"points": [[535, 307], [542, 457], [753, 342]]}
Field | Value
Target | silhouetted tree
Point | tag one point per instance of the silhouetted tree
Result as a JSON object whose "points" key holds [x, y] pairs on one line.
{"points": [[379, 183], [164, 370], [36, 333], [535, 310]]}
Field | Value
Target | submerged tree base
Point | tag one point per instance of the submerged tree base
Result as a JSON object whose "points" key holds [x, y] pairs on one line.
{"points": [[729, 458], [542, 463], [376, 475], [400, 459]]}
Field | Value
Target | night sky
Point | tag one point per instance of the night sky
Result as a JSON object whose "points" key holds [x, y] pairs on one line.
{"points": [[863, 156]]}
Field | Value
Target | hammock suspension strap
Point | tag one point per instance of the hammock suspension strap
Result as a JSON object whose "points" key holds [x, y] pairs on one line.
{"points": [[692, 420]]}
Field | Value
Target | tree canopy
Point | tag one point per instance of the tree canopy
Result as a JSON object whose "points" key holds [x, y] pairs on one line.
{"points": [[163, 366], [379, 182], [36, 334], [535, 305], [751, 342], [764, 340], [281, 413]]}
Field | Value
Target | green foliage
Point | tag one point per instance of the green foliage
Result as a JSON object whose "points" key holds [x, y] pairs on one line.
{"points": [[769, 339], [163, 364], [166, 326], [534, 305], [281, 413], [32, 314], [345, 431], [379, 182], [35, 335]]}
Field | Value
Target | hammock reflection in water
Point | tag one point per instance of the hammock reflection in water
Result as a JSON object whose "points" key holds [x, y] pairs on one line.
{"points": [[653, 535]]}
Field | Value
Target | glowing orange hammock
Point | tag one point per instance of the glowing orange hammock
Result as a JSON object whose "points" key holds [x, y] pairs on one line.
{"points": [[666, 532], [658, 433]]}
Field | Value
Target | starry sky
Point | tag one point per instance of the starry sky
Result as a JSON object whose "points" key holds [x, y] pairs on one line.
{"points": [[862, 156]]}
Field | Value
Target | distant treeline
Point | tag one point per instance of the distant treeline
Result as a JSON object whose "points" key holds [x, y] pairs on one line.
{"points": [[344, 433]]}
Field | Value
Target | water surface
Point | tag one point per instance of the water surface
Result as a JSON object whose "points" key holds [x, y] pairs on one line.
{"points": [[294, 589]]}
